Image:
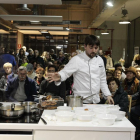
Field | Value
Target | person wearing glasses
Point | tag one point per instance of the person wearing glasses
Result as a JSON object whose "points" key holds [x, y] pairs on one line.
{"points": [[21, 88], [50, 88]]}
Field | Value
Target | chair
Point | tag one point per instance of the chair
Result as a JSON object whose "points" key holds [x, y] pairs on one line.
{"points": [[130, 103], [129, 107]]}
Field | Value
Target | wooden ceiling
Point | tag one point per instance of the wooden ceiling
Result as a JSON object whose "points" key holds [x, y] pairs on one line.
{"points": [[71, 10]]}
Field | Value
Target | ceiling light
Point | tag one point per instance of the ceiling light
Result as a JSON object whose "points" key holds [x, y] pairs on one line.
{"points": [[58, 47], [124, 19], [34, 21], [23, 8], [3, 31], [67, 29], [110, 3], [105, 31], [44, 31]]}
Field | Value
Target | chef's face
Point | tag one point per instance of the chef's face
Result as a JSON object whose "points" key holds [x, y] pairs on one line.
{"points": [[112, 86], [22, 75], [91, 50]]}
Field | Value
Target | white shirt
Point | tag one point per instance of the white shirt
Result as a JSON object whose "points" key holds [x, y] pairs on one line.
{"points": [[89, 77]]}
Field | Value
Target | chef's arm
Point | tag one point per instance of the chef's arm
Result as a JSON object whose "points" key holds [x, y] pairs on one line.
{"points": [[65, 73], [69, 69]]}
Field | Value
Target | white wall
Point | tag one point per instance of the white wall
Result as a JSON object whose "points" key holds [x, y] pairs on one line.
{"points": [[119, 39]]}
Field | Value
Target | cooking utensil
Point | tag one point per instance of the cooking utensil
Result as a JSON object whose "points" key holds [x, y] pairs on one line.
{"points": [[29, 106], [75, 101], [43, 121], [11, 111], [88, 96]]}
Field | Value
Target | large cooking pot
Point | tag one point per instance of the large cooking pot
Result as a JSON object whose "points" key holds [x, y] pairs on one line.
{"points": [[29, 106], [11, 111], [74, 101]]}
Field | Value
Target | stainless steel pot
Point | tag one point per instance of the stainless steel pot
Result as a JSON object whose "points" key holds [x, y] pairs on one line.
{"points": [[29, 106], [11, 111], [74, 101]]}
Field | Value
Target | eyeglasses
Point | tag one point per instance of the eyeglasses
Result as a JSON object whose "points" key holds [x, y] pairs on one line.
{"points": [[51, 70]]}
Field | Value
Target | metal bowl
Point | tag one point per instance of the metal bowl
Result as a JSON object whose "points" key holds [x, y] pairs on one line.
{"points": [[7, 112]]}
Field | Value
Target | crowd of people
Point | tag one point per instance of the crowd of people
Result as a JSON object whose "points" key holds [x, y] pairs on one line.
{"points": [[26, 74]]}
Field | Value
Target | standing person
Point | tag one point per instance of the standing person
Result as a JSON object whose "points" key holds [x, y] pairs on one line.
{"points": [[38, 59], [88, 72], [30, 56], [21, 55], [24, 48], [52, 54], [101, 55]]}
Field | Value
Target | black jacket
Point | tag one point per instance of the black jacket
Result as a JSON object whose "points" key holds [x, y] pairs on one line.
{"points": [[38, 85], [30, 89], [121, 99], [47, 87]]}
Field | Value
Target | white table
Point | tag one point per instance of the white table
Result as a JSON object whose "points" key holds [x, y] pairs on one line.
{"points": [[74, 130]]}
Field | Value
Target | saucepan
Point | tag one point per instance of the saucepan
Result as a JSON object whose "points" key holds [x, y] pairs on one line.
{"points": [[29, 106], [11, 111], [76, 101]]}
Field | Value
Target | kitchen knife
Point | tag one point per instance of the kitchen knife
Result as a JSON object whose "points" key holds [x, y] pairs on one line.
{"points": [[44, 121]]}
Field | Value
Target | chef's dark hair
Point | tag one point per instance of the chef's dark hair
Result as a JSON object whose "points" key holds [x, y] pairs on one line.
{"points": [[92, 40], [113, 79]]}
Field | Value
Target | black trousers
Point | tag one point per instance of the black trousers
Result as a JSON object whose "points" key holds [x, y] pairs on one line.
{"points": [[135, 117]]}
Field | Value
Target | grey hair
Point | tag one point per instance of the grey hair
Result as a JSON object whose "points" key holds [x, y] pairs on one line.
{"points": [[22, 68]]}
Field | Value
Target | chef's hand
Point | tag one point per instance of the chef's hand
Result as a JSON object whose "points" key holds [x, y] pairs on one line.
{"points": [[54, 77], [110, 100]]}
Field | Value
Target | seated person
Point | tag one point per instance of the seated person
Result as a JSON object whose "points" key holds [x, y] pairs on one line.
{"points": [[24, 61], [131, 85], [51, 88], [119, 96], [119, 66], [135, 120], [109, 74], [4, 79], [138, 72], [118, 74], [39, 78], [30, 71], [21, 88]]}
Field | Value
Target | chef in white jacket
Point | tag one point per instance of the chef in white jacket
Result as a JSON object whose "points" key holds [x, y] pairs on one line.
{"points": [[88, 72]]}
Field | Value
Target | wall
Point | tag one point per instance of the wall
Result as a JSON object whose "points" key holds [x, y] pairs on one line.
{"points": [[119, 39], [19, 40]]}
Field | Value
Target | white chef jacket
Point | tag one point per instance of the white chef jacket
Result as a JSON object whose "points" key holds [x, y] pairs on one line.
{"points": [[89, 77]]}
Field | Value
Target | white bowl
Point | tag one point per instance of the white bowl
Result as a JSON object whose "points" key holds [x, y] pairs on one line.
{"points": [[120, 115], [106, 119], [63, 108], [84, 115], [100, 110], [64, 116]]}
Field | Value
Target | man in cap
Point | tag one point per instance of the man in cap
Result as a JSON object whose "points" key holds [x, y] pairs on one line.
{"points": [[131, 85], [30, 71]]}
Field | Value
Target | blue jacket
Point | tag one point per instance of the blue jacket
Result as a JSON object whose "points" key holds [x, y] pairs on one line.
{"points": [[30, 88]]}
